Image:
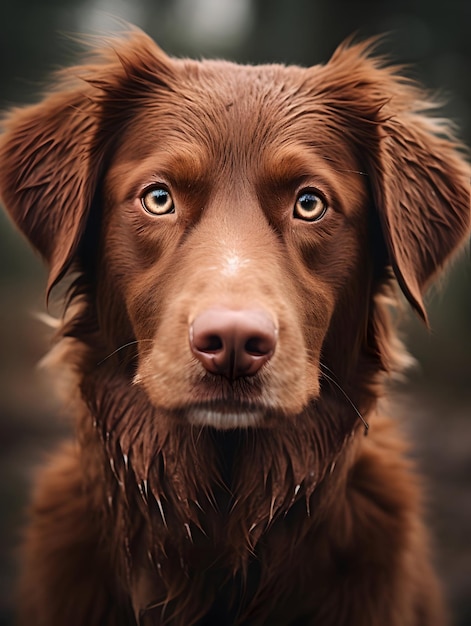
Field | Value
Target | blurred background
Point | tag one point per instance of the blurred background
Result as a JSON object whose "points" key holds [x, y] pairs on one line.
{"points": [[433, 37]]}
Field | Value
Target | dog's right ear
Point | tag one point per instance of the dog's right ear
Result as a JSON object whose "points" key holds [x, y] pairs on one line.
{"points": [[52, 153], [48, 174]]}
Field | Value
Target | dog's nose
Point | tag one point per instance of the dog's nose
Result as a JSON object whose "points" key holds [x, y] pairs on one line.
{"points": [[233, 343]]}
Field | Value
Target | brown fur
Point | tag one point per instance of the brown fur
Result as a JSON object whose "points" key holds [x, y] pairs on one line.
{"points": [[191, 499]]}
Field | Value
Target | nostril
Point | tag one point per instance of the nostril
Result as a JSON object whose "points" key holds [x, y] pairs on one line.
{"points": [[259, 346], [208, 343]]}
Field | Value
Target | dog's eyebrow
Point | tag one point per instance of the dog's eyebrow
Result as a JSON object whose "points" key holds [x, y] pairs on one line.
{"points": [[293, 167], [180, 169], [296, 160]]}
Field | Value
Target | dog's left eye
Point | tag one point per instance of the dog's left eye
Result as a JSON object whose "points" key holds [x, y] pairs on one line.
{"points": [[157, 201], [310, 206]]}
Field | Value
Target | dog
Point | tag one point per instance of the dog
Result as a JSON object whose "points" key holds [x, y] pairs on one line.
{"points": [[232, 240]]}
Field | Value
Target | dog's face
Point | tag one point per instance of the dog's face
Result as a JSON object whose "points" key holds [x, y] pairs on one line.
{"points": [[272, 198], [231, 196]]}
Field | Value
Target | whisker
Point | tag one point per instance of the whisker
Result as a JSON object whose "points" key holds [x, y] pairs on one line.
{"points": [[344, 170], [345, 395], [126, 345]]}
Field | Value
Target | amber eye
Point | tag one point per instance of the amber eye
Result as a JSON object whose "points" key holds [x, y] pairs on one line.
{"points": [[157, 201], [310, 206]]}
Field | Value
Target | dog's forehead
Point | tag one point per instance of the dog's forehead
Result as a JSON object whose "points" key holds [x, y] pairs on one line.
{"points": [[231, 112], [208, 93], [247, 86]]}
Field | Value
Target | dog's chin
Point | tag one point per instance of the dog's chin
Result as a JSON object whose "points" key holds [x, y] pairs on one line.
{"points": [[226, 417]]}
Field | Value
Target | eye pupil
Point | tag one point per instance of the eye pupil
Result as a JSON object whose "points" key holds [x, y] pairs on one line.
{"points": [[160, 196], [307, 200], [310, 206], [157, 201]]}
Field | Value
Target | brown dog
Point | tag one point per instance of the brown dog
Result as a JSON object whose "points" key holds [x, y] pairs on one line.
{"points": [[231, 235]]}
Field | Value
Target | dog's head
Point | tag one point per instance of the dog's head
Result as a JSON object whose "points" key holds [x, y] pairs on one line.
{"points": [[239, 223]]}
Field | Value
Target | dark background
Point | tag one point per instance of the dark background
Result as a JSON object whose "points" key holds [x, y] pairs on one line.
{"points": [[433, 37]]}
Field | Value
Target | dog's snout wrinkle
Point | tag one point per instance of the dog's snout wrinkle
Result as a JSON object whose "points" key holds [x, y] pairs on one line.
{"points": [[233, 343]]}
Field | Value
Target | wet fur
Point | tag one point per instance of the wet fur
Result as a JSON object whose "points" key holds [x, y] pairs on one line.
{"points": [[150, 517]]}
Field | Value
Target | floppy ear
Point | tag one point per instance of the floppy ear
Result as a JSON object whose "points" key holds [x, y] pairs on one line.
{"points": [[48, 174], [418, 175], [52, 153], [421, 186]]}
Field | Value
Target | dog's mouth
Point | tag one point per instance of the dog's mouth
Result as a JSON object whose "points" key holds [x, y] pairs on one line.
{"points": [[217, 402], [223, 404]]}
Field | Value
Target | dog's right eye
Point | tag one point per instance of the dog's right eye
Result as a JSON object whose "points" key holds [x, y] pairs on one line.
{"points": [[157, 201]]}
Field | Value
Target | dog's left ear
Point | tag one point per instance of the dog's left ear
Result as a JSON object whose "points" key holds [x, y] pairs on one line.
{"points": [[419, 178], [421, 187]]}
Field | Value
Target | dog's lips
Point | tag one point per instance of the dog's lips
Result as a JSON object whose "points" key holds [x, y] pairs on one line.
{"points": [[224, 404], [245, 402], [225, 415]]}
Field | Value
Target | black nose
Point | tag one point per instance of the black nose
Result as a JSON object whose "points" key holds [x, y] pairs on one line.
{"points": [[233, 343]]}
